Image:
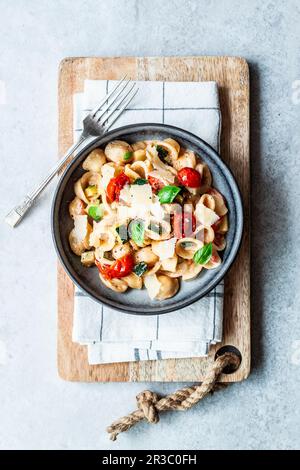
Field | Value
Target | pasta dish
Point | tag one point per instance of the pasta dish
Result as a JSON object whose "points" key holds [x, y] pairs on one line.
{"points": [[146, 214]]}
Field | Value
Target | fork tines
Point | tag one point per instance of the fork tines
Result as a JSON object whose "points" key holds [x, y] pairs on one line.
{"points": [[95, 124], [120, 100], [122, 108]]}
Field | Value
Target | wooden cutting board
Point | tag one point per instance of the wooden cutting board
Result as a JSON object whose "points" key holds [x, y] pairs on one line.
{"points": [[232, 76]]}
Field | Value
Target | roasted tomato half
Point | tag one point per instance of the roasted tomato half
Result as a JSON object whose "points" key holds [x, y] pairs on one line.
{"points": [[155, 183], [120, 268], [115, 185]]}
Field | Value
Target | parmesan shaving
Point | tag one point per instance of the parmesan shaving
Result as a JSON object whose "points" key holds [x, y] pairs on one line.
{"points": [[80, 227], [140, 200], [165, 180], [164, 249], [205, 216], [152, 285], [156, 209], [169, 264], [108, 172], [141, 195], [125, 195], [123, 214]]}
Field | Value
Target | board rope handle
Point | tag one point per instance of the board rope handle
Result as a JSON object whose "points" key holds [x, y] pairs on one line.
{"points": [[149, 404]]}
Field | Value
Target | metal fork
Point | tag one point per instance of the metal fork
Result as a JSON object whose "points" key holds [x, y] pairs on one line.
{"points": [[95, 124]]}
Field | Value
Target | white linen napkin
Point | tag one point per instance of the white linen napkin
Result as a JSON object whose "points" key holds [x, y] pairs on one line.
{"points": [[113, 336]]}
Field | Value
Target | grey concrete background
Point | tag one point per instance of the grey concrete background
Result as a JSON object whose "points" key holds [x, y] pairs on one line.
{"points": [[38, 410]]}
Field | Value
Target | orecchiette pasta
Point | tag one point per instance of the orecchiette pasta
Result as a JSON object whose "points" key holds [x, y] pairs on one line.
{"points": [[94, 161], [142, 168], [168, 287], [115, 151], [158, 230], [118, 285], [154, 269], [77, 246], [145, 255], [187, 247], [133, 281], [145, 213], [186, 159], [87, 187]]}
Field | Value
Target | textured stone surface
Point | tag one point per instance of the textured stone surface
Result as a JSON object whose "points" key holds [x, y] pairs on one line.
{"points": [[38, 410]]}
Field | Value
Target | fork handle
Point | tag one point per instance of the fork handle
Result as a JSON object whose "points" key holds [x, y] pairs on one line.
{"points": [[18, 212]]}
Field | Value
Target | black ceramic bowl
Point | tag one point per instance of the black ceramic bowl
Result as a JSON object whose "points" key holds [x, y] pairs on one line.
{"points": [[137, 301]]}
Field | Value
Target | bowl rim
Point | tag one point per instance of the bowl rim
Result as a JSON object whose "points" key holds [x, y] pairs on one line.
{"points": [[174, 132]]}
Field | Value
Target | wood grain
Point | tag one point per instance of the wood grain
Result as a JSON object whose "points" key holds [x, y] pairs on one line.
{"points": [[232, 76]]}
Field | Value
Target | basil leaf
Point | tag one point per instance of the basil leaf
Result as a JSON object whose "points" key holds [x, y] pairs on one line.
{"points": [[140, 181], [203, 255], [123, 233], [137, 231], [168, 194], [127, 156], [96, 212], [140, 268], [162, 152]]}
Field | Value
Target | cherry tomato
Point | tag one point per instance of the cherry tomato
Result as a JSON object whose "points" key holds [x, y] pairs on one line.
{"points": [[120, 268], [189, 177], [184, 224], [155, 183], [103, 269], [115, 185]]}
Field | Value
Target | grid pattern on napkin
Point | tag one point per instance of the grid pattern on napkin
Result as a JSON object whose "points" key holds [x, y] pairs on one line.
{"points": [[110, 335], [176, 103]]}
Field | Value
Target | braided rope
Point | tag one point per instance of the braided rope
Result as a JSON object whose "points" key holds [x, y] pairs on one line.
{"points": [[149, 404]]}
